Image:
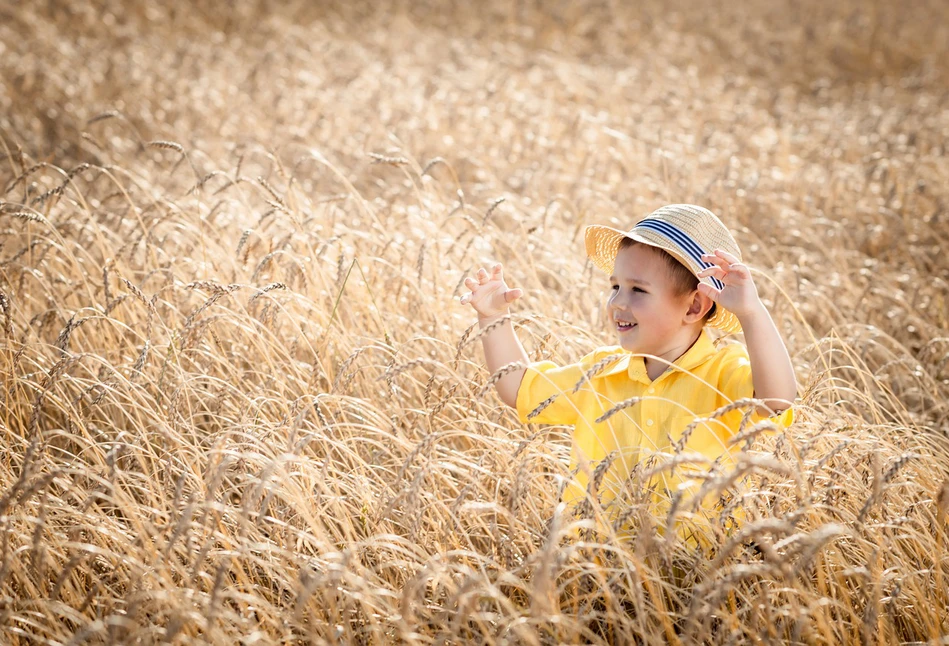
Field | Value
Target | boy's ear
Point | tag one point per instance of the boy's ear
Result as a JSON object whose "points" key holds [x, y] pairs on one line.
{"points": [[698, 307]]}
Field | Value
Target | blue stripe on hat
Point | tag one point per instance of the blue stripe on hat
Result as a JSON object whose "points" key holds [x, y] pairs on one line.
{"points": [[682, 240]]}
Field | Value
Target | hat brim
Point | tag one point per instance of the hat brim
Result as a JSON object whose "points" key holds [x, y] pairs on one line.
{"points": [[602, 244]]}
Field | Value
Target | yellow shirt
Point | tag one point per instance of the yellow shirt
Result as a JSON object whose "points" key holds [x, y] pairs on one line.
{"points": [[700, 382]]}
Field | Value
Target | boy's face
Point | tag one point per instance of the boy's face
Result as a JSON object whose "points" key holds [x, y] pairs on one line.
{"points": [[645, 308]]}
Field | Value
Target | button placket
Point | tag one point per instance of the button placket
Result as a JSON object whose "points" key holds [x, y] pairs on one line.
{"points": [[649, 414]]}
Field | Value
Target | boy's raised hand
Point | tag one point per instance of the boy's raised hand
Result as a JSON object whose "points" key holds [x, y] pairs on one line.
{"points": [[489, 295], [739, 296]]}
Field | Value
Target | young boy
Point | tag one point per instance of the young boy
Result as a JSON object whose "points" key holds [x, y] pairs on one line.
{"points": [[676, 273]]}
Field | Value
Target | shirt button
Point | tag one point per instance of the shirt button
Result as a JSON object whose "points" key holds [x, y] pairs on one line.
{"points": [[648, 422], [650, 391]]}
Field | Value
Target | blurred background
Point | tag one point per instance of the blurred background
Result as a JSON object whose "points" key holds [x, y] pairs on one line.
{"points": [[780, 116], [805, 125]]}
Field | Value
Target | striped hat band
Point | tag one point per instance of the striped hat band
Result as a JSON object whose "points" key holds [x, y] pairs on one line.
{"points": [[682, 240]]}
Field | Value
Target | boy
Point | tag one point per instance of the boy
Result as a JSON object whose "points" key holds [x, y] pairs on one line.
{"points": [[676, 273]]}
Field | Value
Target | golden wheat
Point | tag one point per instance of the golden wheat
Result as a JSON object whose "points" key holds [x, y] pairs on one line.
{"points": [[250, 409]]}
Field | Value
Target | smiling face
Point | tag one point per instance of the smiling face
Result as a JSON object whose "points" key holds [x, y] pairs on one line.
{"points": [[648, 307]]}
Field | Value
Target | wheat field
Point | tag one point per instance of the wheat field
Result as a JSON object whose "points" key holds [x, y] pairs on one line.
{"points": [[242, 404]]}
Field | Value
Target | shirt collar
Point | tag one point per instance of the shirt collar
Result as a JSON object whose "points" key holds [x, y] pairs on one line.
{"points": [[633, 364]]}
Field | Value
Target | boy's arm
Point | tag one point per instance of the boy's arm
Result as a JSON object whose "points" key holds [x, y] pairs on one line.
{"points": [[771, 371], [490, 297], [502, 347]]}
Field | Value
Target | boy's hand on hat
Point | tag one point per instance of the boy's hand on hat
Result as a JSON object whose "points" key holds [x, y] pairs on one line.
{"points": [[489, 295], [739, 295]]}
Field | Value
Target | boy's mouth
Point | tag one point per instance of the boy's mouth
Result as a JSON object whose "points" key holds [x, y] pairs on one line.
{"points": [[624, 326]]}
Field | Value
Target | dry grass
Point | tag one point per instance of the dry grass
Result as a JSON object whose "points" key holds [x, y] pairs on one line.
{"points": [[241, 403]]}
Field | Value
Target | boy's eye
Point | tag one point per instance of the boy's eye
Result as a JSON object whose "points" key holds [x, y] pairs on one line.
{"points": [[635, 289]]}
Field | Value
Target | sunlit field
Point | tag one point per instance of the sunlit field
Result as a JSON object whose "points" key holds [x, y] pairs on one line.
{"points": [[241, 402]]}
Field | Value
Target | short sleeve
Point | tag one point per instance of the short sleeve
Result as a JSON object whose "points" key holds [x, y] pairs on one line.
{"points": [[736, 383], [544, 381]]}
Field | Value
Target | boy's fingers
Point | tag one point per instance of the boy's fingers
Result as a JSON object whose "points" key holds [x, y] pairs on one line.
{"points": [[482, 275], [717, 272], [729, 258], [709, 291], [740, 269], [715, 260], [471, 283], [737, 273], [466, 298], [512, 295], [496, 270], [728, 273]]}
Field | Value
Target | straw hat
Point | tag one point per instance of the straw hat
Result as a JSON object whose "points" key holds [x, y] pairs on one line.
{"points": [[685, 231]]}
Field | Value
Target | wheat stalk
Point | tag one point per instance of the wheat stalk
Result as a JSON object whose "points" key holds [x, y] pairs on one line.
{"points": [[595, 369], [626, 403], [387, 159], [166, 145], [265, 486], [498, 375]]}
